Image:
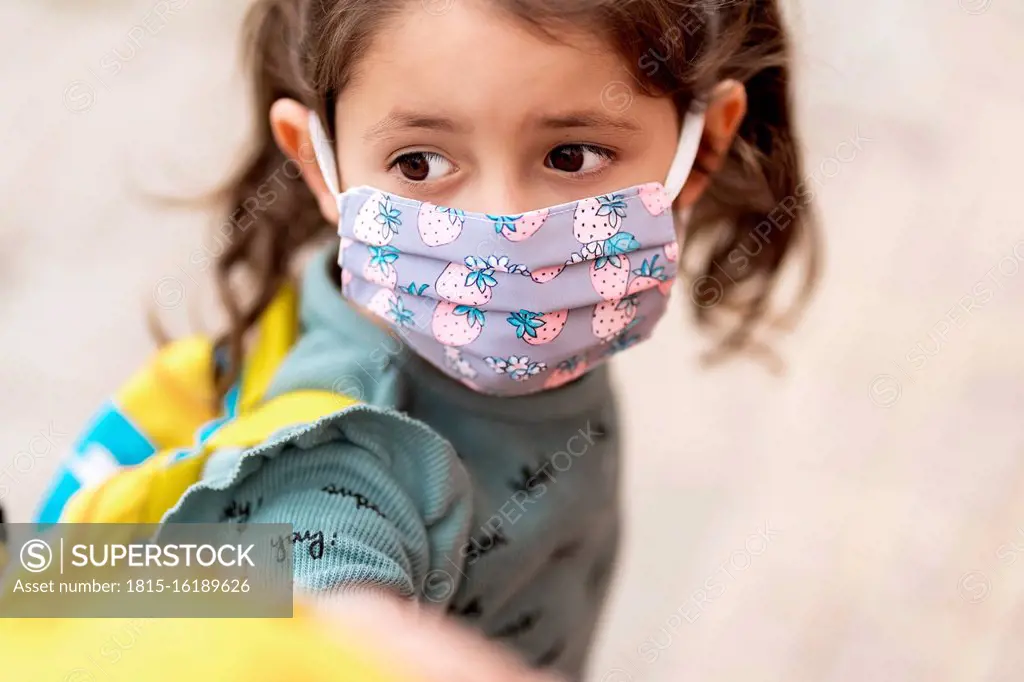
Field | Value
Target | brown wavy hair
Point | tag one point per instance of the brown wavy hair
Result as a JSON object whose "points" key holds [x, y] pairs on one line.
{"points": [[735, 245]]}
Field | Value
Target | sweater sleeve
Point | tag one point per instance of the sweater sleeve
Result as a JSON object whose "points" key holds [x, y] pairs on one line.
{"points": [[375, 500]]}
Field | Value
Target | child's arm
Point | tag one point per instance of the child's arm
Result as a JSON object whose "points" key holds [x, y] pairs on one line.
{"points": [[376, 500]]}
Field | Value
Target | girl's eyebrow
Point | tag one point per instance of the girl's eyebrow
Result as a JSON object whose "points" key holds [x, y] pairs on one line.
{"points": [[405, 120], [589, 119], [398, 120]]}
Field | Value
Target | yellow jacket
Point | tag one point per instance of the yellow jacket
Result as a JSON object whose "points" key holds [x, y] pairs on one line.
{"points": [[169, 405], [172, 395]]}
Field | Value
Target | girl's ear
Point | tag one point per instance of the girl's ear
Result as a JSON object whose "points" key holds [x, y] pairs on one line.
{"points": [[289, 122], [725, 112]]}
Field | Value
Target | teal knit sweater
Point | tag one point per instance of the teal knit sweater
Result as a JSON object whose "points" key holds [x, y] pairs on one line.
{"points": [[504, 511]]}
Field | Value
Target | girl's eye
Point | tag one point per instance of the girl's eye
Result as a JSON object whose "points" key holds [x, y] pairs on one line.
{"points": [[422, 166], [577, 158]]}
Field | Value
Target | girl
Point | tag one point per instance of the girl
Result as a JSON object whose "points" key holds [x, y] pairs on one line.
{"points": [[508, 178]]}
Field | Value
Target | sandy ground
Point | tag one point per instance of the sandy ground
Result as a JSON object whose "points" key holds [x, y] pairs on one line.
{"points": [[855, 519]]}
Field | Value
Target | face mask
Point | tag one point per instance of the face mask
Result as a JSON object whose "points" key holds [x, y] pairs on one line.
{"points": [[513, 304]]}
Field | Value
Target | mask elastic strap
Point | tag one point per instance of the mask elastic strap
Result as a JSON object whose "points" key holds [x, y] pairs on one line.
{"points": [[686, 152], [324, 154]]}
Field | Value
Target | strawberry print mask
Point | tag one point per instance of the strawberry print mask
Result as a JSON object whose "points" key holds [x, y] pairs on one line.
{"points": [[513, 304]]}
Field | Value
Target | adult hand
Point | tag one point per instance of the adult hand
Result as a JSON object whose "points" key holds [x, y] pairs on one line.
{"points": [[422, 642]]}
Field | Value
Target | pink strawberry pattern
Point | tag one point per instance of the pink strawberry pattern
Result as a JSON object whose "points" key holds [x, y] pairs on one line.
{"points": [[610, 279], [543, 275], [460, 284], [654, 198], [440, 225], [566, 371], [378, 221], [519, 227], [382, 302], [599, 218], [617, 251], [610, 272], [457, 325], [538, 328], [611, 317], [648, 276], [389, 306], [380, 268]]}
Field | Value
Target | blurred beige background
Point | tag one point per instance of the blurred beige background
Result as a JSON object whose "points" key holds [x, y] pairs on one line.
{"points": [[884, 472]]}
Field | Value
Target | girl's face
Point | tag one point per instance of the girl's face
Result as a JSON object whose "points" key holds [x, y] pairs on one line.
{"points": [[473, 110]]}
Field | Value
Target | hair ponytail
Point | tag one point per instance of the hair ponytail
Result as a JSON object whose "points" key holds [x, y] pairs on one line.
{"points": [[272, 212], [756, 214]]}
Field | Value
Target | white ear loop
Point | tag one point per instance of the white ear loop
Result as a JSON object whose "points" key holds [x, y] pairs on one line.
{"points": [[686, 152], [324, 154]]}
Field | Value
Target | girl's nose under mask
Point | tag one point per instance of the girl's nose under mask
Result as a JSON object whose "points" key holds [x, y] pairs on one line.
{"points": [[513, 304]]}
